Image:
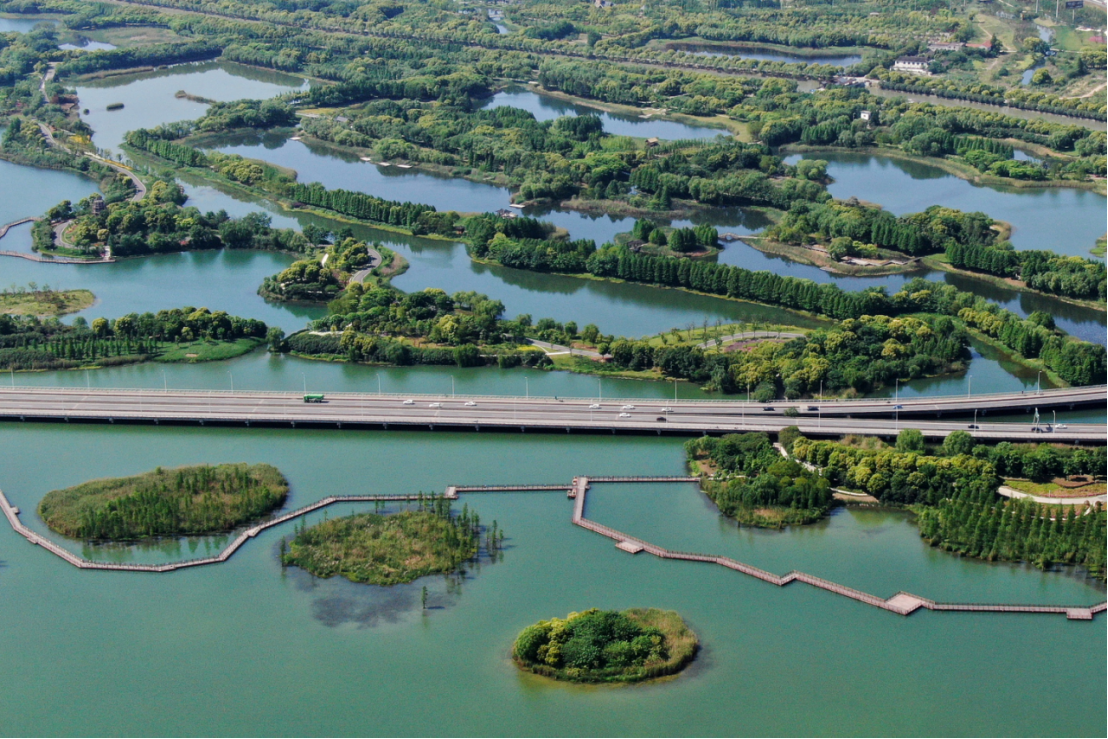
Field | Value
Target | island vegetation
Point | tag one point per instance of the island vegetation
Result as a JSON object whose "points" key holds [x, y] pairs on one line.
{"points": [[185, 501], [597, 646], [395, 548], [749, 481], [176, 335], [33, 300], [953, 490]]}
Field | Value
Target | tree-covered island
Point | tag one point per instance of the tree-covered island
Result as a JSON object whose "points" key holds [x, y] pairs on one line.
{"points": [[185, 501], [177, 335], [597, 646], [395, 548]]}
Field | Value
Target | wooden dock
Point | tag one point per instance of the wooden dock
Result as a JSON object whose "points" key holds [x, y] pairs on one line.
{"points": [[901, 603]]}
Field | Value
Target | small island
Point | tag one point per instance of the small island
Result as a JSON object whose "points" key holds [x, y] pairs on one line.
{"points": [[597, 646], [42, 301], [393, 549], [752, 482], [203, 499]]}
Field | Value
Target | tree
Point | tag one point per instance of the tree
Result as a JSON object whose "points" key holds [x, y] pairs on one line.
{"points": [[959, 442], [276, 339], [910, 440]]}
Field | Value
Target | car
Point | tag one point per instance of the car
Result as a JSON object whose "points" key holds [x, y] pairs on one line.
{"points": [[898, 407], [624, 415], [1036, 429], [470, 404], [628, 408], [768, 408], [974, 426], [409, 402], [667, 410], [813, 407], [662, 418], [1062, 426], [594, 407], [434, 405]]}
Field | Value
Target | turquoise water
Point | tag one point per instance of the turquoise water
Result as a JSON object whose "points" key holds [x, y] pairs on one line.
{"points": [[150, 100], [246, 648], [902, 186]]}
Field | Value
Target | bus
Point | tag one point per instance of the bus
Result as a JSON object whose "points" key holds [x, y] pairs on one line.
{"points": [[314, 398]]}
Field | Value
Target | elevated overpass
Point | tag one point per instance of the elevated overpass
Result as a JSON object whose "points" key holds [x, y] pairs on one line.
{"points": [[559, 415]]}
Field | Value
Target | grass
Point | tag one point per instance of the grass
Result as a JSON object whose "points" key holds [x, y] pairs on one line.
{"points": [[1054, 490], [165, 502], [1101, 247], [382, 550], [45, 302], [207, 350], [623, 647]]}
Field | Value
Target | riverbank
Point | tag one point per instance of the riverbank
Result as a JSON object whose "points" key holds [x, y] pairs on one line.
{"points": [[958, 169], [820, 258], [940, 262]]}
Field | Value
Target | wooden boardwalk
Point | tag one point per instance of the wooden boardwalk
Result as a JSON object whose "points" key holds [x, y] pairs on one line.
{"points": [[901, 603]]}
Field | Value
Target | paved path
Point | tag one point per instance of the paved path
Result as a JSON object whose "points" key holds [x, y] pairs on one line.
{"points": [[710, 344], [375, 260], [684, 417], [1088, 500], [549, 348]]}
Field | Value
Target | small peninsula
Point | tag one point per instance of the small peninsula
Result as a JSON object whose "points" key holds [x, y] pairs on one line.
{"points": [[597, 646], [36, 301], [202, 499], [393, 549]]}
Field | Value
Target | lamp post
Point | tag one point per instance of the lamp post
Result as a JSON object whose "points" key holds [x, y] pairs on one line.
{"points": [[379, 384], [165, 382], [969, 392], [232, 375], [1038, 382], [305, 382]]}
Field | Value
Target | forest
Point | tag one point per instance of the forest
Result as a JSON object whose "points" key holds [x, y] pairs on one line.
{"points": [[32, 343], [1071, 277], [392, 549], [953, 490], [185, 501], [753, 484]]}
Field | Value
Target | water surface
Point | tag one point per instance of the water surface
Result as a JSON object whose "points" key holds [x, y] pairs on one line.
{"points": [[149, 98], [279, 652]]}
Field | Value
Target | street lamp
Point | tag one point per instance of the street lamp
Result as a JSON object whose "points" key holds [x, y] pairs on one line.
{"points": [[1038, 383], [969, 392], [379, 384], [232, 374], [305, 382], [165, 382]]}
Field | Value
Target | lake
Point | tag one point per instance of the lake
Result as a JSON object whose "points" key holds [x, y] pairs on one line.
{"points": [[249, 648], [150, 100]]}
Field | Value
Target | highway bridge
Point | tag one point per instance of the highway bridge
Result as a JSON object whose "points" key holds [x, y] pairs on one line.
{"points": [[562, 415]]}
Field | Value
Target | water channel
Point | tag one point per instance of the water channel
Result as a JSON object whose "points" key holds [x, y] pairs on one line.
{"points": [[743, 52], [245, 647]]}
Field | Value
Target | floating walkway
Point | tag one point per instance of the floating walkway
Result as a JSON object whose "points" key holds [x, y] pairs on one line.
{"points": [[901, 603]]}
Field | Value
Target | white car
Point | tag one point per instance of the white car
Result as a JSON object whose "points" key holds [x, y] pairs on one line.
{"points": [[624, 415], [435, 405], [409, 402], [470, 404], [1062, 426], [628, 408], [594, 407], [667, 410]]}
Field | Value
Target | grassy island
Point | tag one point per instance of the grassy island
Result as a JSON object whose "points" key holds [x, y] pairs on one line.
{"points": [[755, 485], [607, 646], [389, 550], [35, 301], [203, 499]]}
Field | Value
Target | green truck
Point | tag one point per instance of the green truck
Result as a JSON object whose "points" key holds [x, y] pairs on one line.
{"points": [[313, 398]]}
